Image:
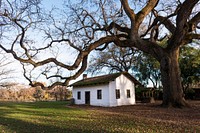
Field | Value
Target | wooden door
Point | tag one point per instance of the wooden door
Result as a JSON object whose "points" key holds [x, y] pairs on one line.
{"points": [[87, 97]]}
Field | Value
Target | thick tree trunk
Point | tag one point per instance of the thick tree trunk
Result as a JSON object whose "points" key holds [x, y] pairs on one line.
{"points": [[173, 95]]}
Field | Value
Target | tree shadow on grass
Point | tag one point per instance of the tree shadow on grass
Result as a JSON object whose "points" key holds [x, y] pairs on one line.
{"points": [[19, 126], [27, 118]]}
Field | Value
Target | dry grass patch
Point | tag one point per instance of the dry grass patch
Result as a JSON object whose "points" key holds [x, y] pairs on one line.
{"points": [[152, 117]]}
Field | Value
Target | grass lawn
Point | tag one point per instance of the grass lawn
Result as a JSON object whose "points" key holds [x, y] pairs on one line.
{"points": [[57, 117]]}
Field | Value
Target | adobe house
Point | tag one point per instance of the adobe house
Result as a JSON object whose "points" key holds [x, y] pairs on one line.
{"points": [[108, 90]]}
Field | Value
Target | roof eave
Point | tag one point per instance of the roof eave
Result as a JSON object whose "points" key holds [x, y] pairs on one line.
{"points": [[93, 84]]}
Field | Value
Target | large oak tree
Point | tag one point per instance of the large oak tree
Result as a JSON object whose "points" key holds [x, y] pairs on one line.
{"points": [[88, 25]]}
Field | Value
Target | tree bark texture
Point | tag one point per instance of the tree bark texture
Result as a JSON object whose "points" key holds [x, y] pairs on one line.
{"points": [[173, 95]]}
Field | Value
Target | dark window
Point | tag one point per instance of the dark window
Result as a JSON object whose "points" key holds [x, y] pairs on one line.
{"points": [[99, 94], [128, 93], [117, 94], [78, 95]]}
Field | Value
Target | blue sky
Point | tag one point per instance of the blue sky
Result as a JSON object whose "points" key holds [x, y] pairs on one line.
{"points": [[51, 3], [18, 75]]}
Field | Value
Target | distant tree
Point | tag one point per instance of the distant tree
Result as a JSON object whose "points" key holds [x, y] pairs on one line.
{"points": [[39, 93], [114, 59], [148, 69], [27, 94], [4, 94], [190, 66], [61, 93]]}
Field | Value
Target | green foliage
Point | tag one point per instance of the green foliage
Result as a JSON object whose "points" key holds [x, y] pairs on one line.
{"points": [[138, 92], [163, 43], [190, 65], [148, 69], [189, 94]]}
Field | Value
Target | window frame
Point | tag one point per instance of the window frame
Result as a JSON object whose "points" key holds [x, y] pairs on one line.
{"points": [[117, 93], [79, 95], [99, 94], [128, 93]]}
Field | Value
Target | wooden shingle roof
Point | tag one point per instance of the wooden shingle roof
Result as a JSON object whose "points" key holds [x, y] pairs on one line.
{"points": [[104, 79]]}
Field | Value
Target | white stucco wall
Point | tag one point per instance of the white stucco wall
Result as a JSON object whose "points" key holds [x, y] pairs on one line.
{"points": [[108, 93], [122, 83], [93, 95]]}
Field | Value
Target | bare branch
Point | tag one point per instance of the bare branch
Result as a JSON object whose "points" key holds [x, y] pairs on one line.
{"points": [[192, 36], [146, 10], [182, 27], [128, 10], [194, 21]]}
